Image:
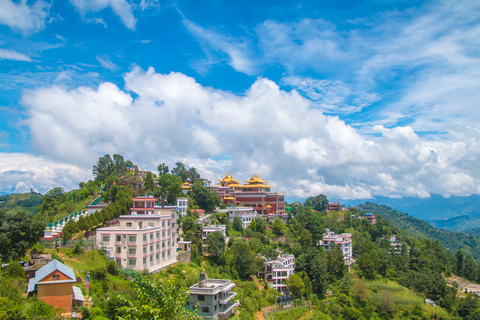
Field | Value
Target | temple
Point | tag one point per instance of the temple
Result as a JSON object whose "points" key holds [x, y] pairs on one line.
{"points": [[254, 193]]}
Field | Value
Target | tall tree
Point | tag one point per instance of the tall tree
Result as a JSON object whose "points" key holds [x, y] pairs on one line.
{"points": [[237, 224], [103, 168], [296, 286], [313, 263], [206, 198], [319, 203], [149, 182], [243, 259], [162, 169], [335, 263], [459, 263], [215, 244], [119, 164], [170, 187]]}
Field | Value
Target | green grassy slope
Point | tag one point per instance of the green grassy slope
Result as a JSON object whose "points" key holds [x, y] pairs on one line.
{"points": [[27, 202]]}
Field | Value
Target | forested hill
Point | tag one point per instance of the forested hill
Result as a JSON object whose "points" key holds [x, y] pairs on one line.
{"points": [[27, 202], [452, 241]]}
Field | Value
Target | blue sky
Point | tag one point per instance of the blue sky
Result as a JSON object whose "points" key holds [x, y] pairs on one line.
{"points": [[353, 99]]}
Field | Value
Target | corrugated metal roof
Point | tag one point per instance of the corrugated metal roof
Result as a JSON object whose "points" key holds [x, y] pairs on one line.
{"points": [[31, 285], [77, 294], [52, 266]]}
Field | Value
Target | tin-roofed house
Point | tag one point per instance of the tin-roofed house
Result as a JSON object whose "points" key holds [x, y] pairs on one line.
{"points": [[53, 283]]}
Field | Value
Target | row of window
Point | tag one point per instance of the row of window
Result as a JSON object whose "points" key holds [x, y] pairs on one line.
{"points": [[133, 239], [133, 261], [150, 224], [132, 251]]}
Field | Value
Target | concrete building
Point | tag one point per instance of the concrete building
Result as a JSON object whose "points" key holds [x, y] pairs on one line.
{"points": [[182, 205], [146, 239], [246, 214], [334, 206], [212, 298], [370, 217], [343, 240], [212, 228], [396, 244], [53, 283], [277, 271]]}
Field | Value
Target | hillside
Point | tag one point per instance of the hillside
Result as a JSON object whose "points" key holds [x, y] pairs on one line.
{"points": [[452, 241], [27, 202], [460, 223]]}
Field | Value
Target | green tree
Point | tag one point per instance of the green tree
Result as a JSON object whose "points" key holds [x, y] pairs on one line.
{"points": [[40, 310], [470, 268], [103, 168], [313, 264], [296, 286], [18, 233], [14, 270], [319, 203], [335, 263], [155, 299], [119, 164], [278, 225], [207, 199], [243, 259], [271, 253], [170, 187], [162, 169], [70, 229], [459, 256], [149, 182], [83, 224], [215, 244], [237, 224]]}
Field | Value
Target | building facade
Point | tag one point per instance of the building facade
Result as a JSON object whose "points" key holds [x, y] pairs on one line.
{"points": [[146, 239], [212, 228], [213, 298], [277, 271], [370, 217], [343, 240], [246, 214]]}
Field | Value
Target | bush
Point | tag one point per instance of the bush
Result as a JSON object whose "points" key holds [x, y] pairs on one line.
{"points": [[14, 270], [78, 249], [56, 257], [112, 268], [41, 310], [37, 249], [99, 273]]}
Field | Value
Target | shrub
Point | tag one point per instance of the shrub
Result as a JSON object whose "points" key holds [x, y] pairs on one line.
{"points": [[38, 248], [14, 270], [78, 249], [112, 268], [41, 310], [99, 273]]}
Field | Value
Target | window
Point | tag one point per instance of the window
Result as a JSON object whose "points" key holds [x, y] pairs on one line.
{"points": [[106, 238], [157, 246], [144, 249], [205, 309], [168, 222], [163, 244], [163, 234], [132, 262], [56, 277], [129, 224], [168, 244], [151, 236], [163, 223], [144, 237], [150, 224], [215, 297], [163, 254], [201, 297], [169, 233], [118, 238], [132, 238], [132, 250], [151, 248], [168, 252], [119, 249], [144, 260], [215, 308], [151, 258], [156, 256], [158, 235]]}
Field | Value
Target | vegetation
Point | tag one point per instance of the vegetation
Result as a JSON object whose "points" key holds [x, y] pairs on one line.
{"points": [[27, 202]]}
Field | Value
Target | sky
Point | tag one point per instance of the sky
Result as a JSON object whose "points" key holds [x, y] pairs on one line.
{"points": [[352, 99]]}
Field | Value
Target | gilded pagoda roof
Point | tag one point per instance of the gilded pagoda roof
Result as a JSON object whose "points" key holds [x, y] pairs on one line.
{"points": [[229, 179], [255, 179]]}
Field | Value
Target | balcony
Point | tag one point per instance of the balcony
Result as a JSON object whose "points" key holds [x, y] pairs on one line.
{"points": [[227, 308], [227, 297]]}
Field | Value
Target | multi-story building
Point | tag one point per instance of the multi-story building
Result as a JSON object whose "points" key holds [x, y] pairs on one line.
{"points": [[212, 228], [213, 298], [246, 214], [146, 239], [334, 206], [370, 217], [277, 271], [182, 205], [396, 244], [343, 240], [255, 193]]}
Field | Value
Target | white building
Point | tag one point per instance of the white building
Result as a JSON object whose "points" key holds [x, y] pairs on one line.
{"points": [[213, 298], [142, 241], [343, 240], [277, 271], [182, 205], [396, 244], [246, 214], [212, 228]]}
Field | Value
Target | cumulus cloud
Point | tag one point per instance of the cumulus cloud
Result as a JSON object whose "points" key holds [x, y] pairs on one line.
{"points": [[21, 172], [121, 8], [23, 17], [6, 54], [278, 134]]}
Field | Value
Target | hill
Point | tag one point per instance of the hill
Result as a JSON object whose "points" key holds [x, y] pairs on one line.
{"points": [[452, 241], [27, 202]]}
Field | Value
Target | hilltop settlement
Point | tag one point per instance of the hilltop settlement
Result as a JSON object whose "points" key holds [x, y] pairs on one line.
{"points": [[136, 244]]}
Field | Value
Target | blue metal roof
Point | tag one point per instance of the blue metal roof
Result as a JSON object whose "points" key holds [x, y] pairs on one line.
{"points": [[52, 266]]}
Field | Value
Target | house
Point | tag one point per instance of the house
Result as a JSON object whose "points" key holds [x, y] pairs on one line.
{"points": [[182, 204], [277, 271], [213, 298], [53, 283], [212, 228], [396, 244], [343, 240], [246, 214], [370, 217], [145, 239], [334, 206]]}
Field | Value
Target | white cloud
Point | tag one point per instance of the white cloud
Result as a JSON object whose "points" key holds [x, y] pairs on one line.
{"points": [[121, 8], [6, 54], [266, 130], [105, 62], [22, 172], [23, 17]]}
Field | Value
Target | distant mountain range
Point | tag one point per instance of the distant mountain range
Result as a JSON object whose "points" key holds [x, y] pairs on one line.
{"points": [[453, 213]]}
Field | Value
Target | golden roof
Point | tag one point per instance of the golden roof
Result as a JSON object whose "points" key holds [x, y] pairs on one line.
{"points": [[255, 179], [228, 179], [243, 186], [229, 198]]}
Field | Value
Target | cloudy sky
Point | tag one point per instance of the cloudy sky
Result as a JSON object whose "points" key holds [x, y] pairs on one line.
{"points": [[353, 99]]}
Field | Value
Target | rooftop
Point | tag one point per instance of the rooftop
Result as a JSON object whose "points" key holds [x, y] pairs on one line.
{"points": [[211, 286]]}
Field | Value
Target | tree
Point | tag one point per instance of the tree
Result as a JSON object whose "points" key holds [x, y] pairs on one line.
{"points": [[119, 164], [149, 182], [278, 225], [70, 229], [459, 263], [313, 263], [18, 233], [83, 223], [103, 168], [271, 253], [154, 299], [170, 187], [14, 270], [162, 169], [470, 268], [335, 263], [207, 199], [243, 259], [237, 224], [296, 286], [215, 244], [385, 304], [319, 203]]}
